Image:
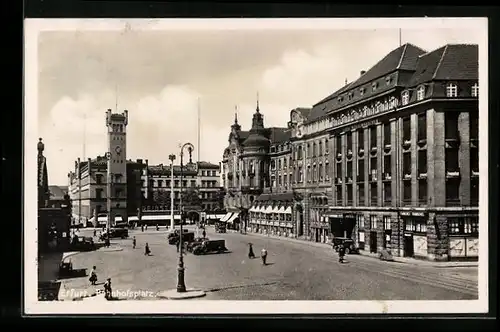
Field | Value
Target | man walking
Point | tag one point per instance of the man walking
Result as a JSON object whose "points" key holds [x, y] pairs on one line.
{"points": [[263, 255], [134, 242]]}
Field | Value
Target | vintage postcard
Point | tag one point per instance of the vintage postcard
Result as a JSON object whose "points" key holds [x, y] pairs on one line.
{"points": [[256, 166]]}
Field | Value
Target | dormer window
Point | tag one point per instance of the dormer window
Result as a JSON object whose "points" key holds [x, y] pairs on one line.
{"points": [[340, 99], [420, 92], [388, 80], [475, 90], [405, 98], [374, 86], [451, 90], [362, 91]]}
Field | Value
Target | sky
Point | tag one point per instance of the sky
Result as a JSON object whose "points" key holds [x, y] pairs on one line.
{"points": [[162, 77]]}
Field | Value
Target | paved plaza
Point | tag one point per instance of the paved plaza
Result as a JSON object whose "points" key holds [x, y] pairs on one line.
{"points": [[296, 271]]}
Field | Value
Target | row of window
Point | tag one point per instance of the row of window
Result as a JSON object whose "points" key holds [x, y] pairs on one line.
{"points": [[314, 149], [362, 90], [209, 173], [118, 128], [451, 92]]}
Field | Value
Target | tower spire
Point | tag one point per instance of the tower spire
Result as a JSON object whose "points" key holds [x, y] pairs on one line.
{"points": [[235, 114], [257, 109]]}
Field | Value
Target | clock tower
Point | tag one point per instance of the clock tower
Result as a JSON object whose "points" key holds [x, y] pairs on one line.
{"points": [[117, 164]]}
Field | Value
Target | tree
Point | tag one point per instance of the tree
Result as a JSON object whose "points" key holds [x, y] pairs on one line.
{"points": [[161, 197], [219, 196], [191, 198]]}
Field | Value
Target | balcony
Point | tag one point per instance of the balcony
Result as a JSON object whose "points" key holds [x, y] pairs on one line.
{"points": [[373, 178], [373, 150], [339, 181], [422, 175], [387, 177], [348, 179], [349, 154], [387, 147], [407, 176], [452, 174], [452, 143], [339, 156], [406, 144], [361, 152], [475, 173]]}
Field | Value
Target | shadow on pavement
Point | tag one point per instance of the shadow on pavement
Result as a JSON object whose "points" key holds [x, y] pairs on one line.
{"points": [[218, 289], [269, 264], [76, 273]]}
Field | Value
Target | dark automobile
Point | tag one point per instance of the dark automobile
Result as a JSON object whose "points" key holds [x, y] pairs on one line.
{"points": [[65, 269], [350, 247], [82, 243], [210, 246], [115, 233], [186, 237], [196, 242], [220, 227]]}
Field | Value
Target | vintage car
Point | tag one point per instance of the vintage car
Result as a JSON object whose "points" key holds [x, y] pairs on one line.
{"points": [[65, 269], [186, 237], [220, 227], [350, 247], [197, 241], [115, 233], [82, 243], [210, 246]]}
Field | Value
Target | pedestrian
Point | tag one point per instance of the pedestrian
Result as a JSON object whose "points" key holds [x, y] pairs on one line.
{"points": [[142, 227], [147, 251], [108, 292], [204, 233], [93, 276], [341, 253], [251, 254], [177, 243], [95, 232], [263, 255], [157, 227], [146, 226], [134, 242]]}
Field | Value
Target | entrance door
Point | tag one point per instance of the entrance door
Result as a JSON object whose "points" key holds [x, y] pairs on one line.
{"points": [[373, 241], [408, 246]]}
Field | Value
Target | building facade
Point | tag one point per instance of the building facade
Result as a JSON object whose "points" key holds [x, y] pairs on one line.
{"points": [[42, 177], [391, 159]]}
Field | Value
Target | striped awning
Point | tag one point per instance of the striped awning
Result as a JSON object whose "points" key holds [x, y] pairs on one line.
{"points": [[281, 209], [227, 216], [288, 210], [269, 209], [232, 218]]}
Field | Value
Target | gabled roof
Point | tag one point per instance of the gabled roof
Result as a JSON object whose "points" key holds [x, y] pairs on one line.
{"points": [[206, 164], [284, 197], [279, 135], [450, 62]]}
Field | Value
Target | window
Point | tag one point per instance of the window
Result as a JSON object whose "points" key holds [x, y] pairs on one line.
{"points": [[421, 93], [349, 194], [361, 170], [387, 167], [406, 129], [374, 86], [361, 139], [98, 193], [473, 126], [474, 187], [387, 134], [451, 160], [98, 179], [452, 191], [326, 146], [349, 170], [118, 192], [422, 190], [422, 162], [475, 90], [387, 192], [320, 148], [451, 125], [373, 137], [339, 194], [309, 150], [387, 223], [118, 178], [373, 222], [406, 164], [301, 174], [338, 145], [416, 225], [388, 80], [362, 91], [339, 170], [422, 127], [405, 98], [373, 194], [299, 152], [160, 183], [463, 226], [349, 141], [451, 90], [361, 195], [361, 222], [373, 169], [321, 172], [474, 160], [407, 191]]}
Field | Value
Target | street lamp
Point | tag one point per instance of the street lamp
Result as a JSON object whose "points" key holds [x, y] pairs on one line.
{"points": [[181, 286], [172, 158], [108, 192]]}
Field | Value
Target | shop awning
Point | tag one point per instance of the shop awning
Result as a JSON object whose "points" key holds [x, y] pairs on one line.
{"points": [[275, 210], [232, 218], [253, 209], [227, 216], [281, 209], [288, 210], [268, 209]]}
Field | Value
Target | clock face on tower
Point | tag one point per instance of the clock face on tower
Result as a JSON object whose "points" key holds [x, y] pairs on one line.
{"points": [[118, 149]]}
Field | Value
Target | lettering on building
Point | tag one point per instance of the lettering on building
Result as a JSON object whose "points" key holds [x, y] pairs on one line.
{"points": [[387, 105]]}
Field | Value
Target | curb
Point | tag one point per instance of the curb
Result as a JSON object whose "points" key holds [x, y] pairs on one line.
{"points": [[110, 249], [423, 262], [190, 293]]}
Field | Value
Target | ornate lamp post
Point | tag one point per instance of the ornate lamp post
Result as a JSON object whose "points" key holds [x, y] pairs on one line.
{"points": [[181, 286], [172, 223]]}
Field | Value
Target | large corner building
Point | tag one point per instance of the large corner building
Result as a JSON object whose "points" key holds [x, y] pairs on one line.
{"points": [[390, 160]]}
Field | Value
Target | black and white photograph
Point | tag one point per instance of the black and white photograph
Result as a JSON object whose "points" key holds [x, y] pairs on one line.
{"points": [[256, 166]]}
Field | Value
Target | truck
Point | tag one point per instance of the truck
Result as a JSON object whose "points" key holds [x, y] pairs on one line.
{"points": [[186, 237]]}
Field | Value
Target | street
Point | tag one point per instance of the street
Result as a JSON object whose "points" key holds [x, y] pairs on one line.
{"points": [[295, 271]]}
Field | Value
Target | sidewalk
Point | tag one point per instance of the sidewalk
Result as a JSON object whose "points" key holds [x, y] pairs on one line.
{"points": [[289, 239]]}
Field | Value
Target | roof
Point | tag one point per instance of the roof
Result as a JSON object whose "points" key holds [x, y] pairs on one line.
{"points": [[58, 192], [256, 139], [450, 62], [404, 57], [279, 135], [304, 111], [206, 164], [285, 197]]}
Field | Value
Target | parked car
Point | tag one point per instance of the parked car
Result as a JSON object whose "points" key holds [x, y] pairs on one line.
{"points": [[186, 237], [210, 246], [196, 242], [350, 247], [65, 269], [115, 233], [82, 243]]}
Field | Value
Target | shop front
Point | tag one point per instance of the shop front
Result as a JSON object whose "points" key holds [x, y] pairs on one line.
{"points": [[342, 225], [463, 234], [274, 220], [415, 239]]}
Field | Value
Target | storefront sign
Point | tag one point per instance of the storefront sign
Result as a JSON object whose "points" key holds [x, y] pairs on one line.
{"points": [[412, 214], [378, 107], [336, 216], [349, 216]]}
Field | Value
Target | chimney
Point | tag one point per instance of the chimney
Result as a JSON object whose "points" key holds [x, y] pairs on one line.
{"points": [[362, 73]]}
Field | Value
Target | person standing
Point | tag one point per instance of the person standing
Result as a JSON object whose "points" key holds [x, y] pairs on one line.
{"points": [[204, 233], [341, 253], [147, 251], [107, 290], [134, 242], [251, 254], [93, 276], [263, 255]]}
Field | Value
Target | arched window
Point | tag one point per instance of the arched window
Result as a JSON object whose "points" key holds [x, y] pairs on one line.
{"points": [[320, 148], [451, 90]]}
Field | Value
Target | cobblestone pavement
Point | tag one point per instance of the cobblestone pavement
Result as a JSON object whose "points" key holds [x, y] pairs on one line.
{"points": [[296, 271]]}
